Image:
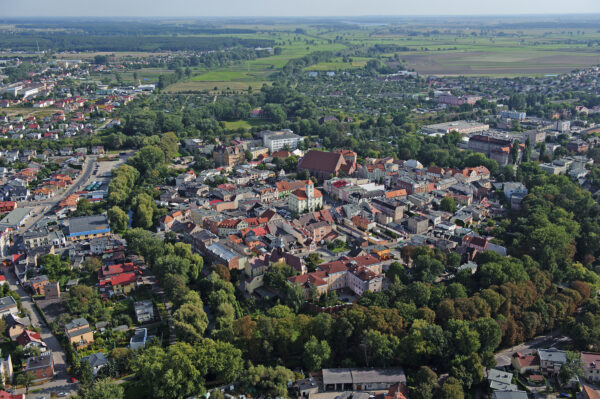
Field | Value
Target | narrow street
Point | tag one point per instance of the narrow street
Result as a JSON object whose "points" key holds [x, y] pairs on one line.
{"points": [[41, 207], [60, 381]]}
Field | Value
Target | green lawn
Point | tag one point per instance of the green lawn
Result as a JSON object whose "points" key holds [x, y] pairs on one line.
{"points": [[245, 124]]}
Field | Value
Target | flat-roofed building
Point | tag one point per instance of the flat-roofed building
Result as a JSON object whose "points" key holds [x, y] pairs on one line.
{"points": [[8, 305], [41, 367], [362, 379], [88, 227], [461, 127]]}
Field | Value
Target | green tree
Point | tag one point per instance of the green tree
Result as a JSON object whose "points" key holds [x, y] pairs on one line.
{"points": [[92, 264], [83, 207], [190, 322], [489, 333], [119, 220], [269, 381], [102, 389], [452, 389], [448, 204], [26, 379], [316, 354], [572, 368], [169, 144]]}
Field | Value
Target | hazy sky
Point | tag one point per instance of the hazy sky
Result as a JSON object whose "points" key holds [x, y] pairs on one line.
{"points": [[199, 8]]}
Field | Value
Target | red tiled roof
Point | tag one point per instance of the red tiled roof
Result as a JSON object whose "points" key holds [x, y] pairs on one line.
{"points": [[311, 279], [526, 360], [120, 279], [301, 193], [28, 336]]}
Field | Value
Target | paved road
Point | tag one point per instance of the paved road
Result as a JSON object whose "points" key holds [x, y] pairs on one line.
{"points": [[60, 382], [504, 358], [41, 207]]}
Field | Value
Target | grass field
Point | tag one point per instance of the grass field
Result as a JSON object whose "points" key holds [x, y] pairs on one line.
{"points": [[197, 86], [245, 124], [529, 52]]}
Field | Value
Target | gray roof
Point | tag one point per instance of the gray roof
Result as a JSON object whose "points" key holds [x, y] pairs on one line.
{"points": [[96, 360], [363, 376], [7, 302], [15, 217], [87, 223], [42, 361], [139, 335], [222, 252], [509, 395], [76, 323], [500, 376], [353, 395], [552, 355]]}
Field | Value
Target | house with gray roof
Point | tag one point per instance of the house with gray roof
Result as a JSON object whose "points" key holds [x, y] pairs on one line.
{"points": [[362, 379], [509, 395], [551, 360], [97, 361], [500, 380]]}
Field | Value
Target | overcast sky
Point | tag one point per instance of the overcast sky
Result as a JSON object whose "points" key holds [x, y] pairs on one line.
{"points": [[200, 8]]}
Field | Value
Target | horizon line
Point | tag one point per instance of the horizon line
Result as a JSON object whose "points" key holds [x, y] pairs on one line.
{"points": [[493, 15]]}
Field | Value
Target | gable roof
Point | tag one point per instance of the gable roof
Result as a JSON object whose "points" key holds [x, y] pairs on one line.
{"points": [[322, 161]]}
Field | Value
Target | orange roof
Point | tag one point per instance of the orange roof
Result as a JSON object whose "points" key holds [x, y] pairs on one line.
{"points": [[396, 193], [301, 194], [589, 393]]}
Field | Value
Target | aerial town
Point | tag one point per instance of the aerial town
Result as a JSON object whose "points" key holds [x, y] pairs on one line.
{"points": [[354, 230]]}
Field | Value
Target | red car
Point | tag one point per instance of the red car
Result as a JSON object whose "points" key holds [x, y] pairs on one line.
{"points": [[73, 380]]}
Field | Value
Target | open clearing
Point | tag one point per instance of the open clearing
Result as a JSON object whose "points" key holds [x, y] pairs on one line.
{"points": [[483, 63], [197, 86]]}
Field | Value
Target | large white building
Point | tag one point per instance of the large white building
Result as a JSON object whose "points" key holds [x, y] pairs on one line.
{"points": [[276, 141], [306, 199]]}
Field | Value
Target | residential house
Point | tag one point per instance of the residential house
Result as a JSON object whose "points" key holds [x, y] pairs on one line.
{"points": [[139, 338], [6, 373], [41, 367], [97, 361], [525, 363], [500, 380], [551, 360], [144, 311], [8, 306], [31, 339], [38, 283], [591, 366], [79, 333], [16, 325]]}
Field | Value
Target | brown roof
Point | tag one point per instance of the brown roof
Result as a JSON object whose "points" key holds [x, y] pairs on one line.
{"points": [[589, 393], [301, 193], [527, 360], [322, 161]]}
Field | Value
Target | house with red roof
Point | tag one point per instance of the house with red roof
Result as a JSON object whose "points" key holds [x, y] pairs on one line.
{"points": [[359, 274], [31, 339], [119, 284], [525, 363]]}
